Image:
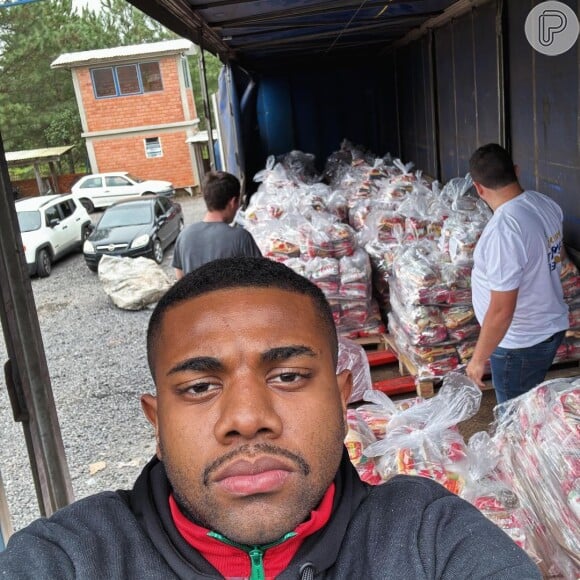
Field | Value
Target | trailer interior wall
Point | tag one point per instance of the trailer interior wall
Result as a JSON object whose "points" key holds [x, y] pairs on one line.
{"points": [[437, 99], [468, 92], [544, 118], [416, 115], [313, 110]]}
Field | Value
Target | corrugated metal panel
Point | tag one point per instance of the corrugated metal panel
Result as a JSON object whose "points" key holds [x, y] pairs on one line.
{"points": [[468, 87], [544, 119], [15, 157], [87, 57], [416, 118], [265, 34]]}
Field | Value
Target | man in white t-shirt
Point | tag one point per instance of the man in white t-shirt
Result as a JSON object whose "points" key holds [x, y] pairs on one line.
{"points": [[517, 293]]}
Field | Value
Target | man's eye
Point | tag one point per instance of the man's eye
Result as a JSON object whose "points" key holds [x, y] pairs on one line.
{"points": [[289, 377], [199, 389]]}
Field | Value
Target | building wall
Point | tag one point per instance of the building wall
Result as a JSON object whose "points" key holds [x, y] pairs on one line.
{"points": [[126, 151], [128, 154], [153, 108]]}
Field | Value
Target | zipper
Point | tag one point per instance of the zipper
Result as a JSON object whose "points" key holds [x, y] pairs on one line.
{"points": [[255, 553]]}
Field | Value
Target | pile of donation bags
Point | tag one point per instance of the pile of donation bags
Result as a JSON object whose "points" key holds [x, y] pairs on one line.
{"points": [[348, 234], [525, 478], [387, 247]]}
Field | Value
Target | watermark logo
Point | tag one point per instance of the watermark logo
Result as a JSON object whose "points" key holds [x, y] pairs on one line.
{"points": [[552, 28]]}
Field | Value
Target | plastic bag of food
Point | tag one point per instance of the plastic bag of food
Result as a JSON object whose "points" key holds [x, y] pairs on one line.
{"points": [[423, 440], [538, 438], [352, 356], [325, 273], [355, 276], [300, 167], [492, 496], [357, 438]]}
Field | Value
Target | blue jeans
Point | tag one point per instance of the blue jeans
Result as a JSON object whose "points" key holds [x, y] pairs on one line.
{"points": [[515, 371]]}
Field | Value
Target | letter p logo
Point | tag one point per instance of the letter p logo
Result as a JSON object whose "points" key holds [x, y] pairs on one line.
{"points": [[551, 23], [552, 28]]}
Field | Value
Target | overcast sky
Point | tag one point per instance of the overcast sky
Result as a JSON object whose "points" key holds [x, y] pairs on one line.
{"points": [[92, 4]]}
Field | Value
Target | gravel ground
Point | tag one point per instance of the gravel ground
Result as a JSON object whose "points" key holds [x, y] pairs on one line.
{"points": [[97, 362]]}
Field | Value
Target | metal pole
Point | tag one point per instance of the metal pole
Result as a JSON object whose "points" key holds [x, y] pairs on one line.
{"points": [[26, 371], [206, 109]]}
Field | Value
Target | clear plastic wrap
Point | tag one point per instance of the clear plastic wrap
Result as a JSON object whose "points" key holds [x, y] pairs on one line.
{"points": [[352, 356], [300, 167], [357, 438], [423, 440], [327, 237], [538, 438], [422, 325], [492, 496], [430, 361], [355, 276], [279, 239]]}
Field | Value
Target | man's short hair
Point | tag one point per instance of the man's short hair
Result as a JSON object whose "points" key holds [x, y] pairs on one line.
{"points": [[218, 187], [492, 166], [240, 272]]}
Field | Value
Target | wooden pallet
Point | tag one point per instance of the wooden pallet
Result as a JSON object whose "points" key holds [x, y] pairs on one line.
{"points": [[371, 343], [424, 387], [384, 363]]}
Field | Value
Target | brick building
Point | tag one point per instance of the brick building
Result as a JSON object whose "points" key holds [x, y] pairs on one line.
{"points": [[137, 109]]}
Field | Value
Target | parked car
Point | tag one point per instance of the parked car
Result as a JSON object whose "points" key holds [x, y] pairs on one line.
{"points": [[51, 226], [135, 227], [100, 190]]}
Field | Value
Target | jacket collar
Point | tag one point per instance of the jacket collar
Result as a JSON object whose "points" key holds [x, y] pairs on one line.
{"points": [[149, 501]]}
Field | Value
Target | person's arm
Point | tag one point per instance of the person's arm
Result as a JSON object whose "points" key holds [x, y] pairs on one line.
{"points": [[497, 320], [178, 274]]}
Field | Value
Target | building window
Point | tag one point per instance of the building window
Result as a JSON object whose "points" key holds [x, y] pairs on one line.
{"points": [[127, 79], [186, 73], [153, 147]]}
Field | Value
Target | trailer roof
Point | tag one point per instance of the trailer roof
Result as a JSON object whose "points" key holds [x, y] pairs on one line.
{"points": [[259, 33]]}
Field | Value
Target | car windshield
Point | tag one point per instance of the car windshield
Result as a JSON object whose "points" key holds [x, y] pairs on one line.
{"points": [[126, 215], [28, 220], [135, 179]]}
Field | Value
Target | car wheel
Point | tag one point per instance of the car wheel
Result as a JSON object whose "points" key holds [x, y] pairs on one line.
{"points": [[87, 204], [43, 264], [157, 251]]}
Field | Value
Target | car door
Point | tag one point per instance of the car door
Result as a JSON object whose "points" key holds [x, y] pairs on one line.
{"points": [[58, 230], [118, 187], [92, 188], [164, 224], [72, 222]]}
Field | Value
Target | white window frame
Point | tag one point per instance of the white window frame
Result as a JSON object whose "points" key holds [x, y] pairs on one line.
{"points": [[152, 149]]}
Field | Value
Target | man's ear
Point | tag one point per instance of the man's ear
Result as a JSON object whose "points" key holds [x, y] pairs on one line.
{"points": [[344, 380], [149, 406], [478, 188]]}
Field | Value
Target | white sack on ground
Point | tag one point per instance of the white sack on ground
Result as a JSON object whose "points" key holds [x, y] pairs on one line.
{"points": [[132, 283]]}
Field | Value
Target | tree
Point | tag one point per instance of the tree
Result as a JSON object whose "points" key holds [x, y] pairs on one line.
{"points": [[213, 66], [36, 102]]}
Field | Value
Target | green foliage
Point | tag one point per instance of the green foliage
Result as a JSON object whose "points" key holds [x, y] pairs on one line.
{"points": [[212, 69], [37, 104]]}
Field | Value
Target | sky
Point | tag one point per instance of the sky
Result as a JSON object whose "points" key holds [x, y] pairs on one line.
{"points": [[92, 4]]}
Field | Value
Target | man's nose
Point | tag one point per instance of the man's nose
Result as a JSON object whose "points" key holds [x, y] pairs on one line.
{"points": [[247, 410]]}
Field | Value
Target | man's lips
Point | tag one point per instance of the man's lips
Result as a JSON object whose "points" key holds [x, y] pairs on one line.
{"points": [[244, 478]]}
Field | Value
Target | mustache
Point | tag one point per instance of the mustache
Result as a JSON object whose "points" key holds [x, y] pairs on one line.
{"points": [[248, 450]]}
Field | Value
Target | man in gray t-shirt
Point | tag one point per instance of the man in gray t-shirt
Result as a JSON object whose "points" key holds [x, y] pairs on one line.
{"points": [[213, 237]]}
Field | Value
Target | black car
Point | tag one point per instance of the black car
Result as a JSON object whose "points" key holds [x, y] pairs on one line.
{"points": [[135, 227]]}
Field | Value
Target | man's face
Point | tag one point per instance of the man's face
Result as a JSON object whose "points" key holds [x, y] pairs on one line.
{"points": [[249, 413]]}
